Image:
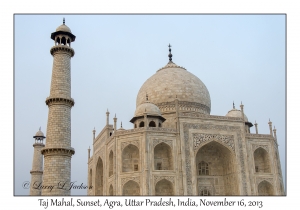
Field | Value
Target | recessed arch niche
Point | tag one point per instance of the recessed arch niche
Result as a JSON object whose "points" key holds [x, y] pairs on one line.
{"points": [[215, 166], [130, 158]]}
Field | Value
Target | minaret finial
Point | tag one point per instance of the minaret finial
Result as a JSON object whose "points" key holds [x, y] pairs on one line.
{"points": [[64, 21], [170, 54], [233, 105]]}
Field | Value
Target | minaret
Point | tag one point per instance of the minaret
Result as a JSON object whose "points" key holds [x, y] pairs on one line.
{"points": [[270, 127], [58, 151], [115, 123], [107, 118], [37, 164]]}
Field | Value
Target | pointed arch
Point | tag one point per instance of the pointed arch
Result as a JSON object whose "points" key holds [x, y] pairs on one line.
{"points": [[152, 124], [265, 188], [99, 177], [130, 158], [142, 124], [261, 161], [164, 188], [63, 41], [131, 188], [215, 166], [163, 159], [111, 163]]}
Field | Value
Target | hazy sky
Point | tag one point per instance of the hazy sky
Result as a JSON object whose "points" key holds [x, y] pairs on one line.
{"points": [[238, 58]]}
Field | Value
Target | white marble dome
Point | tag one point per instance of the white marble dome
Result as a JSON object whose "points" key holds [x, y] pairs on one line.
{"points": [[236, 113], [174, 81], [39, 133], [149, 108], [64, 28]]}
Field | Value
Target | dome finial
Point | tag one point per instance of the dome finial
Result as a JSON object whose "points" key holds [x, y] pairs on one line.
{"points": [[64, 21], [121, 125], [170, 54], [40, 128], [233, 105]]}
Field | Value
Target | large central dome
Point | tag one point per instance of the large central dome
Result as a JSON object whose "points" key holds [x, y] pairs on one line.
{"points": [[174, 81]]}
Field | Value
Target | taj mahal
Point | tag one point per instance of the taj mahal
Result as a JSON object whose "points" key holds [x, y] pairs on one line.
{"points": [[175, 147]]}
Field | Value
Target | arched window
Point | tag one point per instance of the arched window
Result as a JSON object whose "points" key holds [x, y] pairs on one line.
{"points": [[152, 124], [57, 40], [261, 161], [130, 158], [142, 124], [63, 41], [203, 168], [163, 159]]}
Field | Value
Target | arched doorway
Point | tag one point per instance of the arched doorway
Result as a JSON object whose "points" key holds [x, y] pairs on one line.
{"points": [[130, 158], [163, 159], [131, 188], [164, 187], [215, 170], [265, 188], [261, 161], [99, 177]]}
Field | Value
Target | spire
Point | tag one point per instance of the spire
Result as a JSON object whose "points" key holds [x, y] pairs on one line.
{"points": [[256, 131], [64, 21], [170, 54], [107, 117], [115, 123], [270, 126], [233, 105]]}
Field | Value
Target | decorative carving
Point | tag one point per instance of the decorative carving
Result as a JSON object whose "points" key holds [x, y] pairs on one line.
{"points": [[260, 179], [183, 106], [206, 116], [240, 154], [135, 143], [248, 135], [169, 178], [200, 138], [255, 146], [126, 179], [161, 129], [158, 141]]}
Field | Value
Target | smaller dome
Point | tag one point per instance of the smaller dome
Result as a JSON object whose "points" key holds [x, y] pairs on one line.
{"points": [[149, 108], [64, 28], [236, 113], [39, 134]]}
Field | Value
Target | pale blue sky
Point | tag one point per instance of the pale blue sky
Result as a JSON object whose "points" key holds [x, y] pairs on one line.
{"points": [[237, 57]]}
